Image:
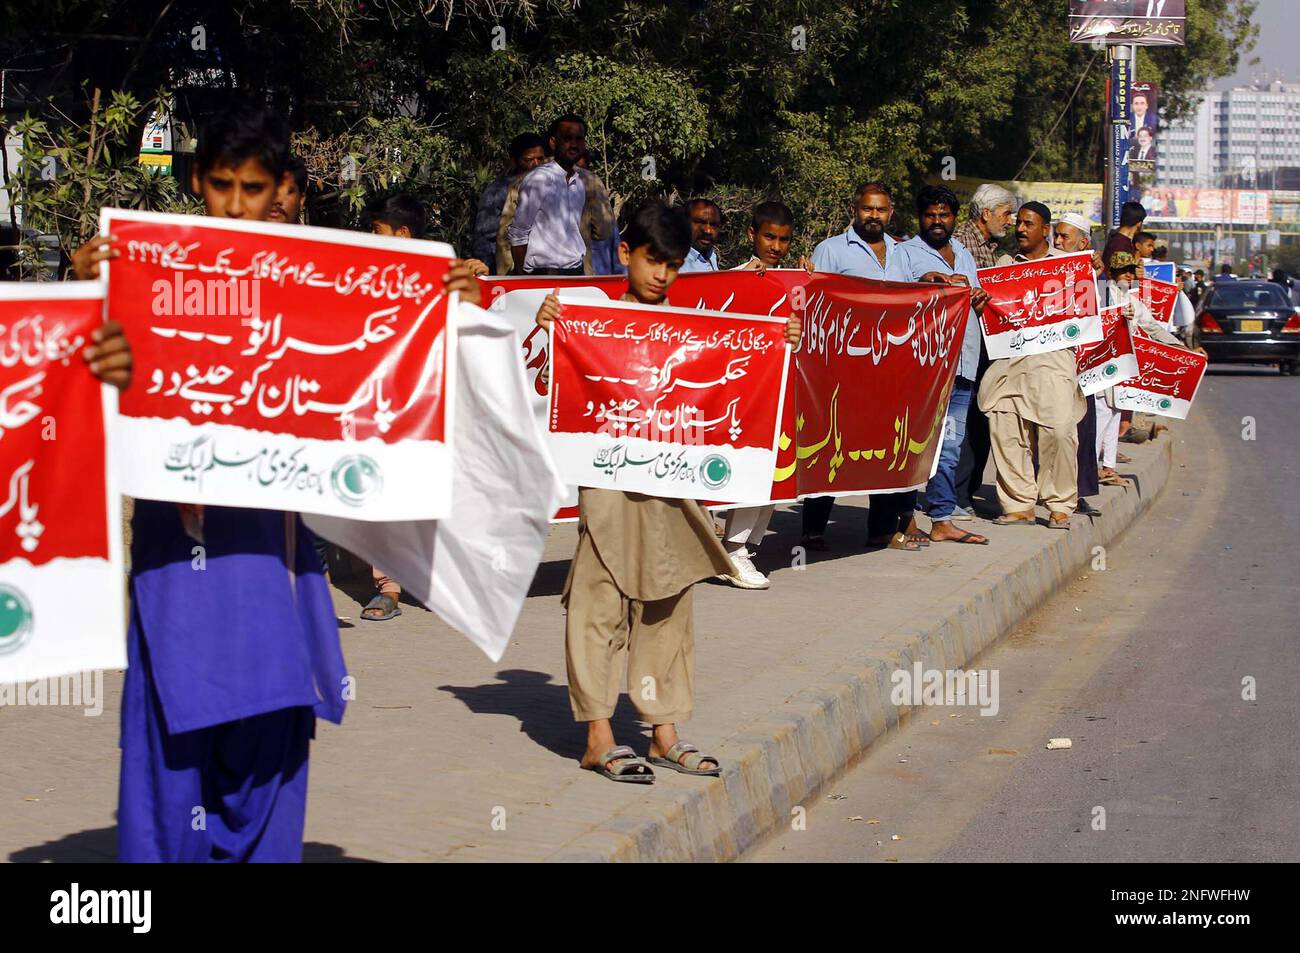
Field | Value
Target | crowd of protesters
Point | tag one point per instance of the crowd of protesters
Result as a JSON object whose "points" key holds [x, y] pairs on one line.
{"points": [[548, 215]]}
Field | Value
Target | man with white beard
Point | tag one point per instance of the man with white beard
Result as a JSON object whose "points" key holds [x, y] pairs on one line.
{"points": [[992, 209]]}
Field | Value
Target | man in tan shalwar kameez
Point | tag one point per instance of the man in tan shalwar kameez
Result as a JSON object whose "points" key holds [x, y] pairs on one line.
{"points": [[629, 586], [1034, 405]]}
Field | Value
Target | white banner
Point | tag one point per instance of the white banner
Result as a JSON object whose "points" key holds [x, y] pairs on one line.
{"points": [[474, 567]]}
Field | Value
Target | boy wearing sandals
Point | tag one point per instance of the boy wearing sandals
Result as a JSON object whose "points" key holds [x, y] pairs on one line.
{"points": [[629, 586]]}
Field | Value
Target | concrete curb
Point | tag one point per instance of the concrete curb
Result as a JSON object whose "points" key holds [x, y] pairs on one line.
{"points": [[784, 759]]}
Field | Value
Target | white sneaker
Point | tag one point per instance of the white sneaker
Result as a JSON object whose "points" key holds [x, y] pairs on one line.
{"points": [[960, 515], [744, 575]]}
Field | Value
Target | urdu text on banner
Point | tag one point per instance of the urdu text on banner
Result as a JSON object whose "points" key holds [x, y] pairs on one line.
{"points": [[876, 367], [666, 401], [284, 366], [1040, 306], [62, 591], [1111, 360], [1167, 380]]}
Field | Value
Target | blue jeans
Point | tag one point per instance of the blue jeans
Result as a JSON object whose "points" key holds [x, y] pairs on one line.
{"points": [[941, 491]]}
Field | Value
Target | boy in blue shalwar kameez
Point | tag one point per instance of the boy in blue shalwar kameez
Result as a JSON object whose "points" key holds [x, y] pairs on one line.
{"points": [[229, 664], [231, 658]]}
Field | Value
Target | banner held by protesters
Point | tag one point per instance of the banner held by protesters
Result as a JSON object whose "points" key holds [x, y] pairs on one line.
{"points": [[1040, 306], [1167, 382], [1111, 360], [876, 368], [60, 506], [1160, 297], [284, 366], [667, 401]]}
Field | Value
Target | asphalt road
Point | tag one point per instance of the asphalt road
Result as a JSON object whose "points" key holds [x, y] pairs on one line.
{"points": [[1143, 666]]}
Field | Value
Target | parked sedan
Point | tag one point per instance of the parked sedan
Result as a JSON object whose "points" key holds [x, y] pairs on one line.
{"points": [[1249, 322]]}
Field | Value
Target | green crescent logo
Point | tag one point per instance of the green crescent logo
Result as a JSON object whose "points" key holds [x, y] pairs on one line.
{"points": [[355, 479], [1110, 370], [1072, 331], [15, 619], [715, 471], [1165, 403]]}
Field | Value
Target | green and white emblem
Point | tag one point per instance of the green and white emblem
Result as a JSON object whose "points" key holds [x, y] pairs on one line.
{"points": [[356, 479], [15, 619]]}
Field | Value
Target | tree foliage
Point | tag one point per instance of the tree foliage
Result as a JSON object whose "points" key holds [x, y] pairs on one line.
{"points": [[738, 99]]}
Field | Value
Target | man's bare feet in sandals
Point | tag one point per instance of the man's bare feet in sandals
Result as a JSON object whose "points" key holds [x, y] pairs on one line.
{"points": [[664, 741], [943, 531], [600, 744]]}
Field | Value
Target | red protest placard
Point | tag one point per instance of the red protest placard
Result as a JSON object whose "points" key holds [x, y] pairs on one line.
{"points": [[61, 572], [284, 366], [1039, 306], [1167, 380], [1109, 361], [1160, 297], [876, 367], [517, 298], [666, 401], [777, 292]]}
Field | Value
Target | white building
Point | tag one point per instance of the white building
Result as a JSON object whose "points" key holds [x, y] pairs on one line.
{"points": [[1234, 139]]}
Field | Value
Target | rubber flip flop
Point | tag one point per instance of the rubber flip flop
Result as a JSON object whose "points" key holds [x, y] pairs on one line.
{"points": [[967, 538], [385, 602]]}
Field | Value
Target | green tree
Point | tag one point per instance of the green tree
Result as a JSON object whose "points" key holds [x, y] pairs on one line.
{"points": [[69, 171]]}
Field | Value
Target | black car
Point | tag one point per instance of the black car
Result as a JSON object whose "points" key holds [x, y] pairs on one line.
{"points": [[1249, 322]]}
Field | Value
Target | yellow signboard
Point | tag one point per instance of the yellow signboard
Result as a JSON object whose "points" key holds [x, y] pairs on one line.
{"points": [[1083, 198]]}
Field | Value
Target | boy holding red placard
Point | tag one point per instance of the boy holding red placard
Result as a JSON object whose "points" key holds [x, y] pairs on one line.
{"points": [[629, 586], [233, 644]]}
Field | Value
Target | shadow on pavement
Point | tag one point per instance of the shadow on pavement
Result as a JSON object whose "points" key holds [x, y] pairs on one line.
{"points": [[97, 846], [543, 711], [314, 852]]}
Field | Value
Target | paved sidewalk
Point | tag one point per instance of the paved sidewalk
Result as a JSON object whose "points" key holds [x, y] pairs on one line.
{"points": [[445, 756]]}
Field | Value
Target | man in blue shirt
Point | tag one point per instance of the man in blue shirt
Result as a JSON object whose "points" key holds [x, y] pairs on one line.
{"points": [[865, 249], [706, 224], [935, 256], [527, 152]]}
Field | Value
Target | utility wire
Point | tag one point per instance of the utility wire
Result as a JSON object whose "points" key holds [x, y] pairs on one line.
{"points": [[1068, 102]]}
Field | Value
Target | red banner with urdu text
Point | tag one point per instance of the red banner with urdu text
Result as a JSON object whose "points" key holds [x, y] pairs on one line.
{"points": [[1167, 380], [671, 402], [1040, 306], [284, 366], [61, 572], [1111, 360]]}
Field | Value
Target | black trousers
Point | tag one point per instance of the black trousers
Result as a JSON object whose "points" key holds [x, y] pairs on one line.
{"points": [[977, 446], [1088, 477], [889, 513]]}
